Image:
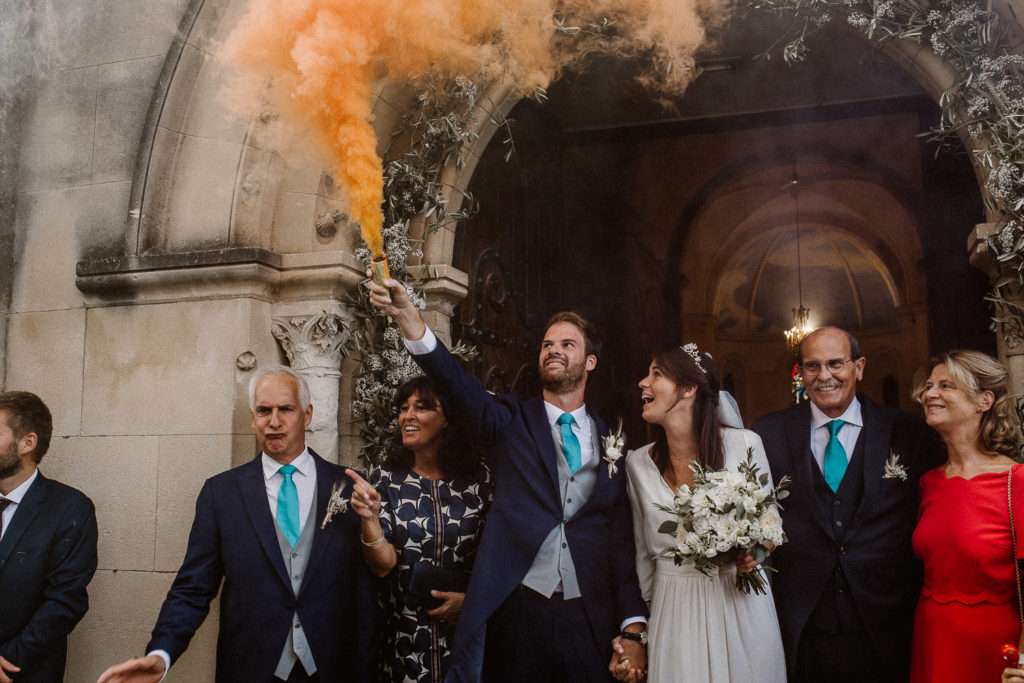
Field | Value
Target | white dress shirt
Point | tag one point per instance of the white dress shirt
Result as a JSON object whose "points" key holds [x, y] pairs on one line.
{"points": [[304, 478], [15, 497], [847, 434], [581, 427]]}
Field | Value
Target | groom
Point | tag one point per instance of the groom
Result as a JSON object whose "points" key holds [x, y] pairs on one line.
{"points": [[554, 580], [847, 579]]}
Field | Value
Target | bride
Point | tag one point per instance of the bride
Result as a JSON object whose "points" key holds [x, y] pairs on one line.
{"points": [[701, 628]]}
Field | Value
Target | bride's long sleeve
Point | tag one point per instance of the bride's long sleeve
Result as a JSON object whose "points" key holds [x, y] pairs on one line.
{"points": [[644, 561]]}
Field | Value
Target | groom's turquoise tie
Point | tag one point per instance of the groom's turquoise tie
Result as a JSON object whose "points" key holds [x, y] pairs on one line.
{"points": [[288, 506], [570, 444], [835, 456]]}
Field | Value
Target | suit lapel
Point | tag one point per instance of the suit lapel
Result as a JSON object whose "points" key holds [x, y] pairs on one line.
{"points": [[798, 438], [26, 511], [254, 495], [321, 539], [540, 430], [604, 482], [877, 435]]}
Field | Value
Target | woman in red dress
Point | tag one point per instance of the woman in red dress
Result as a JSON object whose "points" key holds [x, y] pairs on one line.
{"points": [[968, 605]]}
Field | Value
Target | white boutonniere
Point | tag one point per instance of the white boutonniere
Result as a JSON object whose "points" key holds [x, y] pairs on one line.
{"points": [[893, 468], [335, 504], [613, 445]]}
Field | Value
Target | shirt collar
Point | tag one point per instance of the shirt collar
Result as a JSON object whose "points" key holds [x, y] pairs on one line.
{"points": [[851, 415], [554, 412], [304, 464], [17, 494]]}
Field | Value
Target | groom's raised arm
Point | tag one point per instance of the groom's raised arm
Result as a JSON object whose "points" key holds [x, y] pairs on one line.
{"points": [[479, 410]]}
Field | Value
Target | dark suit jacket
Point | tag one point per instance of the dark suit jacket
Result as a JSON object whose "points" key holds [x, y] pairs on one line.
{"points": [[875, 555], [526, 507], [47, 558], [233, 540]]}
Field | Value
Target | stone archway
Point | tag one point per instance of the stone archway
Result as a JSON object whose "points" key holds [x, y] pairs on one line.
{"points": [[217, 212]]}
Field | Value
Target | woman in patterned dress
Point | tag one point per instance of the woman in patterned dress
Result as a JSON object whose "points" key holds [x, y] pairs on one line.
{"points": [[425, 503]]}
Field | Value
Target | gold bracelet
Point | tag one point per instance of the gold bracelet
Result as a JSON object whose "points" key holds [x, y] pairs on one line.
{"points": [[374, 544]]}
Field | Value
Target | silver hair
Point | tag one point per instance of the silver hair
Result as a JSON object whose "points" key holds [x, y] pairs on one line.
{"points": [[279, 370]]}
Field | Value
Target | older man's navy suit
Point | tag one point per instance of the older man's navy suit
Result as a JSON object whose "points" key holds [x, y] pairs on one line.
{"points": [[526, 507], [848, 559], [233, 540]]}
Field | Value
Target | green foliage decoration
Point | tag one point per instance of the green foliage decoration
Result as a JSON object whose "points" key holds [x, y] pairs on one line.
{"points": [[434, 134]]}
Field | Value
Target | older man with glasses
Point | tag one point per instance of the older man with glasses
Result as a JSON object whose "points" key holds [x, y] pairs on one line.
{"points": [[847, 579]]}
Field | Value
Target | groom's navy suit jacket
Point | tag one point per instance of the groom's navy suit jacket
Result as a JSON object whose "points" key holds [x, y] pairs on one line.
{"points": [[47, 558], [873, 552], [526, 507], [233, 541]]}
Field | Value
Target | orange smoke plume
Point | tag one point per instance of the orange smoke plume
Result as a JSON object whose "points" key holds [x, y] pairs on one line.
{"points": [[319, 59]]}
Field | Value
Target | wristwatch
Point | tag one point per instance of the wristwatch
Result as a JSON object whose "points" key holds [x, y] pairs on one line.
{"points": [[638, 637]]}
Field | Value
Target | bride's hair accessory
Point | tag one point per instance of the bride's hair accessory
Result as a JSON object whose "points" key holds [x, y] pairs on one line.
{"points": [[693, 352]]}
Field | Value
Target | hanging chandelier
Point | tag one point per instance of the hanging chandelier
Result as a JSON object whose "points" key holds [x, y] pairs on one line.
{"points": [[801, 327]]}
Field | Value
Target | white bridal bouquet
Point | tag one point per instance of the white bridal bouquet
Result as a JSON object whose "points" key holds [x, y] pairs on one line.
{"points": [[724, 513]]}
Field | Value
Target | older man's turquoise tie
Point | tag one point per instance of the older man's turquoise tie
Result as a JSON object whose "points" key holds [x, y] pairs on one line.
{"points": [[835, 456], [288, 506], [570, 444]]}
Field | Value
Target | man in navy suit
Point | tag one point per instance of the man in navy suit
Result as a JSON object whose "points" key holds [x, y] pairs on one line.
{"points": [[554, 580], [47, 548], [296, 602], [847, 580]]}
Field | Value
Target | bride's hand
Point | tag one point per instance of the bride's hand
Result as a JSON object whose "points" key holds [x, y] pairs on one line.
{"points": [[745, 562]]}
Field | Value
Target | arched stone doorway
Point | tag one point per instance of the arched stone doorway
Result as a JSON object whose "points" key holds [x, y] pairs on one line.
{"points": [[221, 210]]}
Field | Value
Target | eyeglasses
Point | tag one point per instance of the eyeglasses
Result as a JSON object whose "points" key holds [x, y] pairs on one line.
{"points": [[834, 366]]}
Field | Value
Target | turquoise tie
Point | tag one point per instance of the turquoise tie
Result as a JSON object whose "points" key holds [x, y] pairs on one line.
{"points": [[288, 506], [835, 456], [570, 444]]}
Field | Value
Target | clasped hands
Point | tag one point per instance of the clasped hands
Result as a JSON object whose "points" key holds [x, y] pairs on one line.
{"points": [[629, 660]]}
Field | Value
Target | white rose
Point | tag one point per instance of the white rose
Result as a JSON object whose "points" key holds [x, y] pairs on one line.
{"points": [[770, 519]]}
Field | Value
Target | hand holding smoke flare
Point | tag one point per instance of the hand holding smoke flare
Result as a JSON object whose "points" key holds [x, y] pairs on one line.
{"points": [[318, 62]]}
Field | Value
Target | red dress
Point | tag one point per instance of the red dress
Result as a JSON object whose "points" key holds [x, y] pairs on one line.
{"points": [[968, 604]]}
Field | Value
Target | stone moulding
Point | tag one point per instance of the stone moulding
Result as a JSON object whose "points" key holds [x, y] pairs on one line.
{"points": [[218, 274]]}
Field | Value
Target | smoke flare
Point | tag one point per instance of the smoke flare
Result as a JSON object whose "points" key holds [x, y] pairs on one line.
{"points": [[317, 60]]}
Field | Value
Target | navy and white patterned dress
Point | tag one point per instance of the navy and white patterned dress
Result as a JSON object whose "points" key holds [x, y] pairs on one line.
{"points": [[416, 647]]}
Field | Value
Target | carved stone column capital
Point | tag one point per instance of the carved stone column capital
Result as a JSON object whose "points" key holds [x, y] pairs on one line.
{"points": [[312, 341]]}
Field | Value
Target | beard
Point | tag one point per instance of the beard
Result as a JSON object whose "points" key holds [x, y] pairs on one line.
{"points": [[10, 462], [562, 381]]}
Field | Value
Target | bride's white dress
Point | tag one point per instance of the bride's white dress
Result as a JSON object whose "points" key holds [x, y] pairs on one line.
{"points": [[701, 629]]}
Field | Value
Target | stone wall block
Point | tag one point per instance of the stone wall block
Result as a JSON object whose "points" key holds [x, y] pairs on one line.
{"points": [[125, 90], [119, 474], [210, 114], [199, 213], [100, 228], [178, 99], [185, 463], [295, 224], [123, 607], [154, 212], [40, 343], [59, 135], [163, 368], [114, 30], [46, 248]]}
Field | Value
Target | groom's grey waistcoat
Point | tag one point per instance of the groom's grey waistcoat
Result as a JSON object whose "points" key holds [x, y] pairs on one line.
{"points": [[553, 562]]}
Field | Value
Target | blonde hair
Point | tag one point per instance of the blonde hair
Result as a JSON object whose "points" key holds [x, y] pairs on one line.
{"points": [[974, 373]]}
